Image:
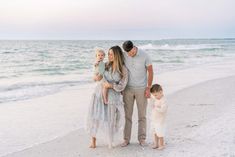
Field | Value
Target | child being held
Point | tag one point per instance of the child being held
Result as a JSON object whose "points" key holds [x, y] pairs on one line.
{"points": [[158, 118], [99, 70]]}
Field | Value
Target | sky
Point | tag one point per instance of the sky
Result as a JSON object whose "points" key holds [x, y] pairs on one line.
{"points": [[117, 20]]}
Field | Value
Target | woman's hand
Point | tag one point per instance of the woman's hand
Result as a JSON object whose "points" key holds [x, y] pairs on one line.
{"points": [[97, 77], [107, 85]]}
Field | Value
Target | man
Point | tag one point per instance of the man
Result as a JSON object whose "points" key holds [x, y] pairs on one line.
{"points": [[140, 74]]}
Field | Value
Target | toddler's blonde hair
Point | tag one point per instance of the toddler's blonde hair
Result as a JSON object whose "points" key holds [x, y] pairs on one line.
{"points": [[98, 50]]}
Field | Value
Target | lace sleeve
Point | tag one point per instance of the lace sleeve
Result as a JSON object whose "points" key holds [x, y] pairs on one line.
{"points": [[122, 83]]}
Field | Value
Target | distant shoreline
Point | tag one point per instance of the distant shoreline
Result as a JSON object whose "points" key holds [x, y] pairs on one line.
{"points": [[206, 38]]}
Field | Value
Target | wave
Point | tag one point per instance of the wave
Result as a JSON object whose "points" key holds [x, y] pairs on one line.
{"points": [[168, 47], [7, 52]]}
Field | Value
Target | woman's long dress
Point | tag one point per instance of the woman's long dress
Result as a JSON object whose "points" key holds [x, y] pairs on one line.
{"points": [[108, 118]]}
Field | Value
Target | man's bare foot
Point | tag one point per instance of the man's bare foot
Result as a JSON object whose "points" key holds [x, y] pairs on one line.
{"points": [[142, 142], [125, 143]]}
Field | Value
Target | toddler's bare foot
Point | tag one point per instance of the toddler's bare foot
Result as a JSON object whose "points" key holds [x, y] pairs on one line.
{"points": [[161, 147]]}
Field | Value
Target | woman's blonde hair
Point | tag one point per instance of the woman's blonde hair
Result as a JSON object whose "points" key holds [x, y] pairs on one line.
{"points": [[118, 60]]}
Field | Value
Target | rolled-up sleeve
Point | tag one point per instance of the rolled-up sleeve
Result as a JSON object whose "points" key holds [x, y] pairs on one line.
{"points": [[148, 61], [120, 86]]}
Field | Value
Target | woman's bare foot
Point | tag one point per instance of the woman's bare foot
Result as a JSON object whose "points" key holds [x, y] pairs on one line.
{"points": [[105, 101], [154, 146], [92, 146], [93, 143]]}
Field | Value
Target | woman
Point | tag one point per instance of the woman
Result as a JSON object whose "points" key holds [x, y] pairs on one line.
{"points": [[108, 115]]}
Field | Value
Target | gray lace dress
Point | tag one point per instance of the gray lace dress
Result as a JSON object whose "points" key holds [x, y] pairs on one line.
{"points": [[108, 118]]}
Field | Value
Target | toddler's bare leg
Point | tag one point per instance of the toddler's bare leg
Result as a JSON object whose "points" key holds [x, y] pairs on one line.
{"points": [[155, 143], [161, 143]]}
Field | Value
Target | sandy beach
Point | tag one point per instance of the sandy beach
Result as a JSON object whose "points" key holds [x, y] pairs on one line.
{"points": [[200, 120]]}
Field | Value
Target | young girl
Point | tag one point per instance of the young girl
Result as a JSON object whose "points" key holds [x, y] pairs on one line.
{"points": [[99, 70], [158, 118]]}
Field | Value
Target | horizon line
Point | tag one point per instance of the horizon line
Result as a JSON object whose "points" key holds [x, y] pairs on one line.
{"points": [[183, 38]]}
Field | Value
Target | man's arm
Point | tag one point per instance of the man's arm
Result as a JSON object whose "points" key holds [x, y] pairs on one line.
{"points": [[150, 75], [150, 80]]}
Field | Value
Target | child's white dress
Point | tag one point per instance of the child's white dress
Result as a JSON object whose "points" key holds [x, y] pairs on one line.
{"points": [[158, 117]]}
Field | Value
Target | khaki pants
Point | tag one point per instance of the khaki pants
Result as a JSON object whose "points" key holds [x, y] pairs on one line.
{"points": [[129, 96]]}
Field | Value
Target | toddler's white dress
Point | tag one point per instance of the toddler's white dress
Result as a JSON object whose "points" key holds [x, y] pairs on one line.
{"points": [[158, 117]]}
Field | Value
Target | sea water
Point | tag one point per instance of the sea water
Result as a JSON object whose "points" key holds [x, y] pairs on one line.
{"points": [[30, 69]]}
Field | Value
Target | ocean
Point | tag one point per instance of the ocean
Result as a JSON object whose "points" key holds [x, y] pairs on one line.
{"points": [[37, 68]]}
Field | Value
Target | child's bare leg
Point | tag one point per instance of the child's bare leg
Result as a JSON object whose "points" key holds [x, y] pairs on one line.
{"points": [[93, 142], [161, 143], [155, 142], [105, 95]]}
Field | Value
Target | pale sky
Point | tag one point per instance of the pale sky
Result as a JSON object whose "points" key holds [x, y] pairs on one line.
{"points": [[120, 19]]}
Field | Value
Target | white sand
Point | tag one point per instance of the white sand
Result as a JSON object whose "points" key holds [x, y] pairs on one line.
{"points": [[24, 124], [200, 120]]}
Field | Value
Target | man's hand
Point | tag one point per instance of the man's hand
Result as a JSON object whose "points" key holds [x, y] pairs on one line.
{"points": [[147, 92]]}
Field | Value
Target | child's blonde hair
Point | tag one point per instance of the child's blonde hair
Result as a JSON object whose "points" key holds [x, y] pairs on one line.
{"points": [[98, 50]]}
